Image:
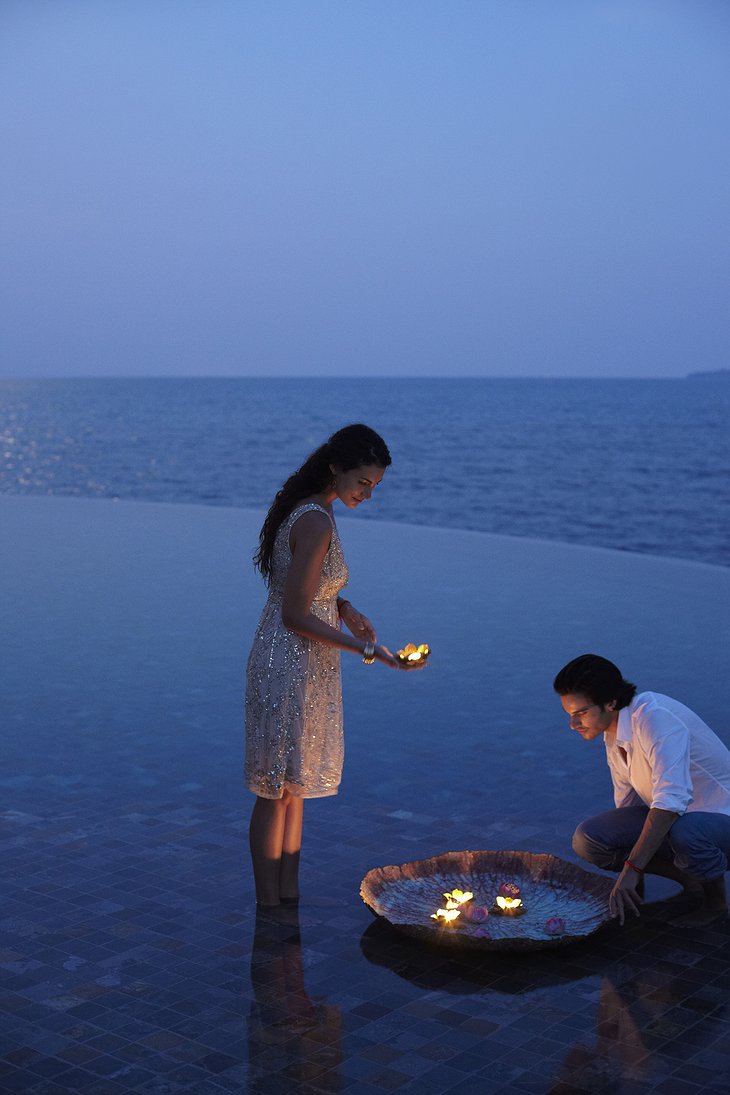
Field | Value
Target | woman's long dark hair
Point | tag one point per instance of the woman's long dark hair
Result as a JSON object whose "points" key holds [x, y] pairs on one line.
{"points": [[351, 447]]}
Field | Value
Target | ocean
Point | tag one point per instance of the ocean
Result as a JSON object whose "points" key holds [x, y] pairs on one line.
{"points": [[638, 465]]}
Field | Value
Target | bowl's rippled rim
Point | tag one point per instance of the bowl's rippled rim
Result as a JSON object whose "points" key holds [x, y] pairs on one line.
{"points": [[405, 895]]}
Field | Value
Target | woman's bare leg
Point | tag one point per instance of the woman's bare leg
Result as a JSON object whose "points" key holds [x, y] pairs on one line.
{"points": [[266, 838], [291, 847]]}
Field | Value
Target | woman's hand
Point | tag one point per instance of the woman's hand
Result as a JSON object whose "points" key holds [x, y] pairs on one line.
{"points": [[358, 624], [384, 655]]}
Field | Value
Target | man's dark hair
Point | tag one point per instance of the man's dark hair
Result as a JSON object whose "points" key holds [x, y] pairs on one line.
{"points": [[597, 678]]}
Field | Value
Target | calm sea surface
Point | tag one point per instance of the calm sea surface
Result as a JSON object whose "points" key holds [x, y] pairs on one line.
{"points": [[640, 465]]}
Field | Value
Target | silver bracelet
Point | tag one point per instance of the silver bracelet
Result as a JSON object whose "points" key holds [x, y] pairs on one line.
{"points": [[368, 654]]}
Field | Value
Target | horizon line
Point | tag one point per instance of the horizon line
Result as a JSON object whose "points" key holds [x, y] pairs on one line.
{"points": [[370, 376]]}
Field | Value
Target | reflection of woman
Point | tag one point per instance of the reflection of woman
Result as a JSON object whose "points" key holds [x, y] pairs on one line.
{"points": [[293, 694], [285, 1023]]}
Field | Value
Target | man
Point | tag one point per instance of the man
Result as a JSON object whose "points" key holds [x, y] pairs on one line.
{"points": [[671, 781]]}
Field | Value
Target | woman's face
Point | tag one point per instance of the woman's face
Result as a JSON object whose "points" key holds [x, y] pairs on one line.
{"points": [[357, 485]]}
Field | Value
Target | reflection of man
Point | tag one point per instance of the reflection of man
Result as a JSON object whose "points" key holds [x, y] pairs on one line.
{"points": [[671, 782]]}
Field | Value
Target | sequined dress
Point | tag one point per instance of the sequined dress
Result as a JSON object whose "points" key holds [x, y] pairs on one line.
{"points": [[293, 690]]}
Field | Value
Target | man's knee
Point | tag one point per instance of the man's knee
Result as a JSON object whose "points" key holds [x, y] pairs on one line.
{"points": [[585, 845], [699, 850], [687, 838], [588, 845]]}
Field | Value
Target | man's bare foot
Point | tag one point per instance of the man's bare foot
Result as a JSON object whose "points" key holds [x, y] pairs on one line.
{"points": [[711, 908], [687, 900], [700, 918]]}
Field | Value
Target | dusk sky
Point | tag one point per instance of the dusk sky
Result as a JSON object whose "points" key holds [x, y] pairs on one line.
{"points": [[365, 187]]}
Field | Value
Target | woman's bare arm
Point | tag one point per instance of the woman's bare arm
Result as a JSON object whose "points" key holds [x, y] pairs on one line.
{"points": [[310, 539]]}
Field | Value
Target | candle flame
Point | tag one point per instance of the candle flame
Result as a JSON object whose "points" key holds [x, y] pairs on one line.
{"points": [[509, 902], [413, 653], [447, 915], [458, 897]]}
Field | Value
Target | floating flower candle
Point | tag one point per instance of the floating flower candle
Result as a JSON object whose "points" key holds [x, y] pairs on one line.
{"points": [[457, 897], [509, 906], [508, 901], [414, 655], [447, 915], [456, 901]]}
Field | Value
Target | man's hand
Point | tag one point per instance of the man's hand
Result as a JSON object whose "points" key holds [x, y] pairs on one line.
{"points": [[623, 897]]}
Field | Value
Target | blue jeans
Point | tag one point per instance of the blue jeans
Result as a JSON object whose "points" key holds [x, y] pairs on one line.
{"points": [[698, 843]]}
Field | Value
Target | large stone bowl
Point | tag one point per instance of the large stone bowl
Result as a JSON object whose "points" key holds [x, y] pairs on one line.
{"points": [[407, 895]]}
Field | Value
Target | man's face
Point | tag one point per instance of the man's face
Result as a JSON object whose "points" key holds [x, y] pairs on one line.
{"points": [[589, 719]]}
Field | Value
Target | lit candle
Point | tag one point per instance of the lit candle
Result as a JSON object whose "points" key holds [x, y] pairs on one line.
{"points": [[509, 904], [414, 655], [508, 901], [457, 897], [447, 915]]}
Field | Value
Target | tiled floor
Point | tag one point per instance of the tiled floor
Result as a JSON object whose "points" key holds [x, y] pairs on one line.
{"points": [[131, 956], [133, 962]]}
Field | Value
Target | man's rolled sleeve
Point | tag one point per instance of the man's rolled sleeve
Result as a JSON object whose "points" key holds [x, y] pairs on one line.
{"points": [[666, 741]]}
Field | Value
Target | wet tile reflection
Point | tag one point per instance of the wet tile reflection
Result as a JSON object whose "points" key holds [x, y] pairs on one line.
{"points": [[290, 1032], [596, 1018], [132, 961], [633, 1020]]}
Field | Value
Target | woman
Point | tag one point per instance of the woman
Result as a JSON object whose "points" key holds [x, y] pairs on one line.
{"points": [[293, 694]]}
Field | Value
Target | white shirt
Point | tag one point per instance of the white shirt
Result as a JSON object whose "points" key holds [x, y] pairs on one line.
{"points": [[673, 760]]}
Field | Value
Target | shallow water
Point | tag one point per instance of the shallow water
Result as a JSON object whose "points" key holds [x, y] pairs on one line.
{"points": [[132, 958]]}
